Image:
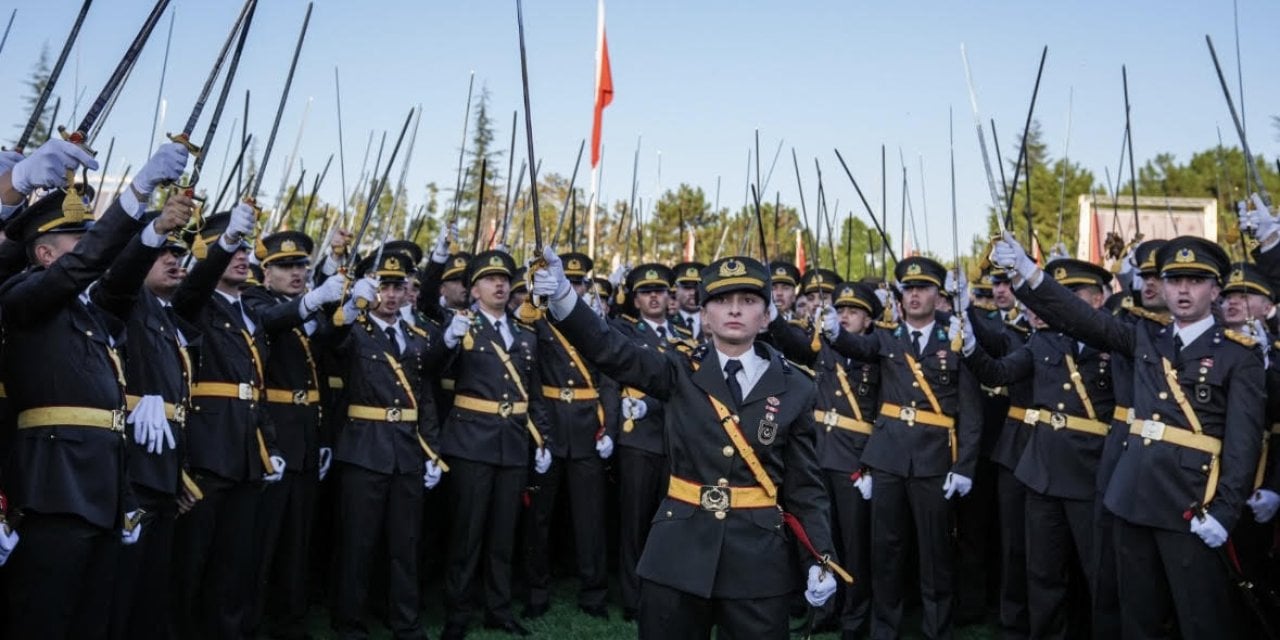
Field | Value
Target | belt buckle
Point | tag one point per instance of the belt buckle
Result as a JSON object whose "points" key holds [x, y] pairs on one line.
{"points": [[566, 394], [714, 499], [118, 420], [1152, 430], [300, 397], [831, 418], [180, 414], [393, 414], [244, 391], [504, 409], [1031, 417], [908, 415], [1058, 421]]}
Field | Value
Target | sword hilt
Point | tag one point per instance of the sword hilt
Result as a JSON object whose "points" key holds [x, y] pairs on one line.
{"points": [[184, 140]]}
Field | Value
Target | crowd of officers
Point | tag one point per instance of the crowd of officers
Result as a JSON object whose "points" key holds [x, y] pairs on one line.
{"points": [[206, 427]]}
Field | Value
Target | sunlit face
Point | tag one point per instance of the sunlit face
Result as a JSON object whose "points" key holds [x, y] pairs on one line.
{"points": [[855, 320], [165, 274], [919, 302], [735, 318], [1002, 293], [1153, 294], [784, 296], [652, 303], [237, 271], [288, 279], [390, 299], [816, 299], [687, 297], [1189, 298], [1239, 307], [491, 292]]}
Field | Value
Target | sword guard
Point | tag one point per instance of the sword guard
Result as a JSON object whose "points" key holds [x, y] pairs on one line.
{"points": [[184, 140], [76, 138]]}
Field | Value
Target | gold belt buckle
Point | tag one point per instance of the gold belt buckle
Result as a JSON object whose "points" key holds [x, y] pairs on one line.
{"points": [[117, 420], [244, 391], [714, 499], [1152, 430], [504, 409], [1058, 421], [179, 414], [908, 415], [1031, 417], [300, 397], [393, 414], [831, 418], [566, 394]]}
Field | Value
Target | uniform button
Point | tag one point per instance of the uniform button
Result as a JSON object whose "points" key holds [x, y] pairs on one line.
{"points": [[722, 482], [720, 515], [669, 514], [1163, 396], [1146, 441], [504, 396], [839, 393], [727, 451], [1204, 370], [506, 376], [88, 333], [828, 429], [915, 384], [1066, 386], [1155, 416], [1204, 468], [1061, 406]]}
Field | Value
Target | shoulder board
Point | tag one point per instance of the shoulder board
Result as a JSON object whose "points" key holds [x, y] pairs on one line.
{"points": [[885, 324], [680, 329], [1236, 336], [699, 352], [1019, 327], [1159, 318], [801, 368], [984, 305], [799, 322], [626, 317], [414, 328], [527, 327]]}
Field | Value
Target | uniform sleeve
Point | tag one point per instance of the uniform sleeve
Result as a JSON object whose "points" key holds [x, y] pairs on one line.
{"points": [[968, 424], [118, 289], [193, 294], [616, 355], [792, 341], [997, 372], [990, 332], [803, 493], [1065, 312], [1241, 441], [865, 346], [276, 317], [611, 402]]}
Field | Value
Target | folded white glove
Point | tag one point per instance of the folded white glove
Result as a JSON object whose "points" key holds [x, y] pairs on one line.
{"points": [[365, 289], [329, 291], [956, 484], [457, 329], [431, 477], [1209, 530], [820, 586], [440, 250], [1264, 503], [604, 447], [1009, 254], [541, 460], [550, 281], [831, 323], [863, 485], [8, 540], [634, 408], [47, 166], [277, 463], [130, 536], [150, 427], [166, 166], [326, 461], [243, 219], [8, 159]]}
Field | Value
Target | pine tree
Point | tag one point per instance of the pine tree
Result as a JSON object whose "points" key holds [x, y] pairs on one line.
{"points": [[36, 83]]}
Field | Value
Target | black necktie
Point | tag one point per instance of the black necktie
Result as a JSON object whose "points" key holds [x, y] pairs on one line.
{"points": [[395, 342], [915, 342], [1177, 349], [662, 332], [731, 369], [238, 312]]}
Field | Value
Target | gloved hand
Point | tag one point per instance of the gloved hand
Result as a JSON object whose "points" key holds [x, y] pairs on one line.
{"points": [[550, 281], [831, 323], [1009, 254], [8, 541], [329, 291], [8, 159], [541, 460], [1264, 503], [1128, 265], [440, 250], [963, 299], [130, 535], [773, 311], [968, 341], [166, 166], [956, 484], [243, 219], [365, 289], [458, 327], [820, 586], [615, 278], [604, 447], [1260, 222], [594, 303], [47, 166], [863, 485], [634, 409], [1209, 530], [277, 464], [431, 477], [150, 428], [1059, 251], [326, 461]]}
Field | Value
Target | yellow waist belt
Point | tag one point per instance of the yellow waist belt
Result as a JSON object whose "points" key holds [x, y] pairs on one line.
{"points": [[570, 394], [336, 382], [718, 498], [232, 390], [1123, 414], [113, 420], [1058, 421], [1275, 429], [479, 405], [382, 414], [912, 415], [172, 412], [1154, 430], [299, 397], [832, 419], [1019, 414]]}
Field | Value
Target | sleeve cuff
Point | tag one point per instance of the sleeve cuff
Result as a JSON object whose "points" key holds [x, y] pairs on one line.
{"points": [[560, 309], [129, 202], [227, 245], [151, 237]]}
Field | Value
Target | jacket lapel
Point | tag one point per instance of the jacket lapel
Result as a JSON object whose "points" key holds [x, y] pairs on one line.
{"points": [[710, 378], [770, 384]]}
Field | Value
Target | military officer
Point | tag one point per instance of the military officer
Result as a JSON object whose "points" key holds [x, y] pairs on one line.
{"points": [[687, 277], [784, 280]]}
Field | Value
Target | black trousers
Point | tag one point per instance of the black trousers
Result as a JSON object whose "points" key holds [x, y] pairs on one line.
{"points": [[671, 614], [61, 576], [1106, 586], [584, 481], [485, 509], [378, 509], [213, 568], [977, 545], [1011, 500], [851, 517], [896, 503], [1173, 585], [144, 571], [642, 482], [1059, 541], [285, 512]]}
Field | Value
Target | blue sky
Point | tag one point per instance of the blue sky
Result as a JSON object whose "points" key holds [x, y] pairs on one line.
{"points": [[695, 79]]}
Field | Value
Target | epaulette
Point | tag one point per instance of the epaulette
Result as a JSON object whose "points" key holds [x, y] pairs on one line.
{"points": [[1159, 318], [414, 328], [628, 318], [984, 305], [799, 322], [801, 368], [525, 326], [682, 330], [1018, 327], [686, 347], [699, 352], [884, 324], [1236, 336]]}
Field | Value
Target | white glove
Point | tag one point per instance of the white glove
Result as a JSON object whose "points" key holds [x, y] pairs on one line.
{"points": [[550, 281], [329, 291], [130, 536], [773, 311], [277, 463], [950, 283], [440, 250], [150, 428], [8, 540], [431, 477], [863, 485], [166, 166], [1264, 503], [458, 327], [365, 289], [1059, 251], [1260, 221], [634, 408], [618, 274], [47, 166], [595, 303], [604, 447], [326, 461], [963, 299], [243, 219], [1209, 530], [9, 159], [820, 587], [1009, 254], [541, 460], [831, 323], [956, 484]]}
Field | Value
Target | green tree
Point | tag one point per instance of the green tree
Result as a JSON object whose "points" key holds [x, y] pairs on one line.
{"points": [[36, 83]]}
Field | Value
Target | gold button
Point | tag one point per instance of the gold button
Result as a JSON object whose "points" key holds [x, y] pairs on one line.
{"points": [[720, 515], [727, 451], [722, 482], [1163, 396]]}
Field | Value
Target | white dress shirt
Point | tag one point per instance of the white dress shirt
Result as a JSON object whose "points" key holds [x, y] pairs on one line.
{"points": [[924, 335], [401, 340], [1192, 331], [244, 317], [753, 366], [503, 324]]}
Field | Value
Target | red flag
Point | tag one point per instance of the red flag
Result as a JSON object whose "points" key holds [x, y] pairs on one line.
{"points": [[800, 257], [604, 85]]}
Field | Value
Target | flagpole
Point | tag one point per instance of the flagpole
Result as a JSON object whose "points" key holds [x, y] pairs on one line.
{"points": [[602, 95]]}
